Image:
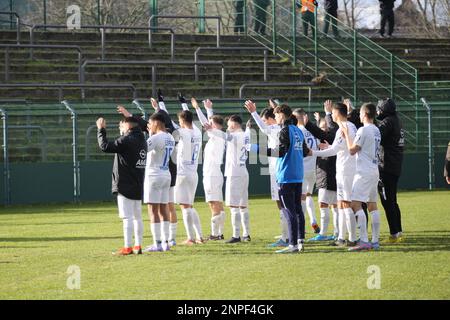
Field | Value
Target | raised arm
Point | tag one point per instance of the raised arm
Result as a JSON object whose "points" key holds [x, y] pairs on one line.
{"points": [[183, 102], [105, 145], [200, 115]]}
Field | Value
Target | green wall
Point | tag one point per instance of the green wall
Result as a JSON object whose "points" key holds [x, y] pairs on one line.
{"points": [[53, 182]]}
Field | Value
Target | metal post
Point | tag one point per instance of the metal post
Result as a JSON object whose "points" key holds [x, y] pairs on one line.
{"points": [[355, 66], [196, 65], [6, 171], [316, 47], [140, 108], [45, 13], [102, 33], [245, 17], [274, 28], [266, 58], [218, 33], [154, 12], [31, 41], [392, 75], [416, 100], [153, 80], [98, 13], [76, 163], [431, 181], [6, 64], [223, 81], [294, 33], [18, 29], [172, 46], [201, 13], [11, 16]]}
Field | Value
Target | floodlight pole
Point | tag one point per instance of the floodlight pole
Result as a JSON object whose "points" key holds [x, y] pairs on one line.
{"points": [[431, 182], [6, 170]]}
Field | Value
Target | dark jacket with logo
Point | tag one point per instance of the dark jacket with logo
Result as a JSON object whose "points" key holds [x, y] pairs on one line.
{"points": [[390, 155], [129, 162], [326, 167]]}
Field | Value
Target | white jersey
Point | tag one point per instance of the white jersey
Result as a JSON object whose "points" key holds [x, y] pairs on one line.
{"points": [[345, 162], [309, 163], [188, 149], [213, 154], [238, 145], [272, 132], [159, 148], [368, 138]]}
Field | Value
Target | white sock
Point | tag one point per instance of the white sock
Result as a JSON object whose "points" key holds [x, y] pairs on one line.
{"points": [[165, 229], [362, 222], [284, 227], [335, 221], [245, 218], [156, 232], [324, 220], [342, 225], [138, 231], [173, 231], [236, 222], [187, 220], [303, 203], [375, 217], [350, 221], [127, 232], [215, 222], [196, 224], [221, 223], [311, 210]]}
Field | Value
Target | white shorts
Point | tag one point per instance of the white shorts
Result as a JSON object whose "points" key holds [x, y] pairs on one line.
{"points": [[327, 196], [274, 187], [185, 189], [172, 195], [236, 191], [365, 188], [156, 189], [129, 208], [309, 180], [213, 188], [344, 188]]}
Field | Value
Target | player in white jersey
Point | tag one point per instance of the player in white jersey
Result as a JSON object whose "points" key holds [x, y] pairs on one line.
{"points": [[160, 146], [309, 169], [345, 171], [188, 138], [212, 174], [365, 183], [236, 187], [267, 125]]}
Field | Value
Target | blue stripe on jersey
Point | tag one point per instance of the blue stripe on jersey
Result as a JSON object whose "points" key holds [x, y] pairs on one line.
{"points": [[289, 168]]}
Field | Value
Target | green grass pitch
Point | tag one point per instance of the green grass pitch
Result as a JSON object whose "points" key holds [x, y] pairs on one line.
{"points": [[39, 243]]}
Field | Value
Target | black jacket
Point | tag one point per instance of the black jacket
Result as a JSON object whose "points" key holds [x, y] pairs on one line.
{"points": [[390, 155], [285, 142], [129, 162], [353, 117], [326, 167], [331, 5], [386, 5]]}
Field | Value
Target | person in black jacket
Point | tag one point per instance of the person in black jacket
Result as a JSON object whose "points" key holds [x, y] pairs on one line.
{"points": [[239, 20], [260, 7], [331, 9], [352, 114], [447, 165], [387, 15], [127, 178], [390, 164]]}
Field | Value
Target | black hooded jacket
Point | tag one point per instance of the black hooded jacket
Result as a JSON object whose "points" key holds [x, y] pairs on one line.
{"points": [[331, 5], [386, 5], [129, 162], [390, 155]]}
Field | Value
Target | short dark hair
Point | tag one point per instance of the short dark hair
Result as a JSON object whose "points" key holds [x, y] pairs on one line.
{"points": [[235, 118], [341, 108], [284, 109], [186, 115], [267, 113], [370, 110], [217, 120], [158, 117], [132, 121]]}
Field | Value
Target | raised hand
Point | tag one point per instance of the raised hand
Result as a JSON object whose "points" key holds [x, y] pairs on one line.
{"points": [[249, 124], [317, 116], [123, 111], [250, 106], [101, 123], [349, 105], [154, 103], [194, 103], [160, 96], [207, 104], [272, 104], [181, 98], [324, 145], [328, 106], [305, 119]]}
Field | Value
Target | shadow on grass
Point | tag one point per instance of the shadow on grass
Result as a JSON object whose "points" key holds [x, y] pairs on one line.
{"points": [[54, 223], [50, 239]]}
